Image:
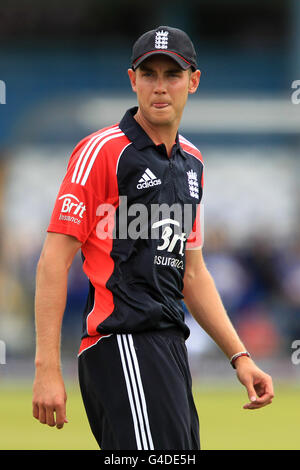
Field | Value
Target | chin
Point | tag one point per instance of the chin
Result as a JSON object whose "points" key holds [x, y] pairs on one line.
{"points": [[163, 120]]}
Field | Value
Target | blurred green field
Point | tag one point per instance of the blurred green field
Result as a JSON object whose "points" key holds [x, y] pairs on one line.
{"points": [[223, 422]]}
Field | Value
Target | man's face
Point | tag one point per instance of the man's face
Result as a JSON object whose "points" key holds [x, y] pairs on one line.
{"points": [[162, 89]]}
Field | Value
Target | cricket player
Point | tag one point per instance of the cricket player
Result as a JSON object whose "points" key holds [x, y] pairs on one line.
{"points": [[130, 202]]}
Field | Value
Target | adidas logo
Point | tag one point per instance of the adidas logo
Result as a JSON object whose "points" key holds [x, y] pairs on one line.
{"points": [[147, 180]]}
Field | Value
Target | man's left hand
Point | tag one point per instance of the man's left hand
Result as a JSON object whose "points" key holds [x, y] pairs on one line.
{"points": [[259, 385]]}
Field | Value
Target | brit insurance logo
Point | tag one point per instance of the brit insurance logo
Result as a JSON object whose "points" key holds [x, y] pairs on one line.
{"points": [[72, 209], [148, 180], [171, 242]]}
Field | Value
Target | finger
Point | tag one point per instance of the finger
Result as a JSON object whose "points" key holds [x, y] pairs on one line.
{"points": [[265, 387], [260, 389], [35, 411], [251, 392], [259, 401], [265, 394], [256, 406], [260, 392], [263, 399], [60, 416], [42, 414], [50, 417]]}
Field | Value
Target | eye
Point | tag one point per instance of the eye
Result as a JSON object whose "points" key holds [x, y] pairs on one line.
{"points": [[174, 74]]}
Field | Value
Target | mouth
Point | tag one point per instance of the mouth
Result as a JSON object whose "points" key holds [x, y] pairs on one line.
{"points": [[160, 105]]}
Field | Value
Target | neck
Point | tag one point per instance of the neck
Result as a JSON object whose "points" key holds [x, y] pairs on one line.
{"points": [[158, 134]]}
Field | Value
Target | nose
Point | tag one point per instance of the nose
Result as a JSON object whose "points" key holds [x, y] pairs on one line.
{"points": [[160, 86]]}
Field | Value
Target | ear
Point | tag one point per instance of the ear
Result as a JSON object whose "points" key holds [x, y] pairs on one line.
{"points": [[194, 81], [132, 78]]}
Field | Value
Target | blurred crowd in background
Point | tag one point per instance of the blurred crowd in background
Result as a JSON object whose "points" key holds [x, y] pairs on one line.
{"points": [[64, 65]]}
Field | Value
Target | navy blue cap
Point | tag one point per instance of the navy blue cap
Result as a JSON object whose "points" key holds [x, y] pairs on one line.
{"points": [[172, 42]]}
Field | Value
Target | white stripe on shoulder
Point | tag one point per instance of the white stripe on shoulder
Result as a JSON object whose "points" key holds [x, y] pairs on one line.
{"points": [[92, 160], [184, 141], [187, 142], [92, 142]]}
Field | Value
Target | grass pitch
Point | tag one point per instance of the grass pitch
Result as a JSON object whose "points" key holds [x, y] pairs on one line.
{"points": [[224, 424]]}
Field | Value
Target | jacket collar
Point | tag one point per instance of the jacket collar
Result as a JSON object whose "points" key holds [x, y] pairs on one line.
{"points": [[138, 136]]}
